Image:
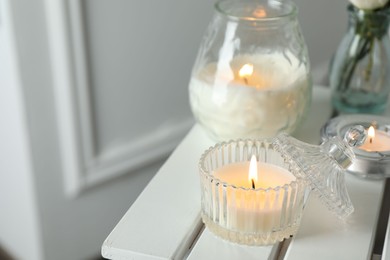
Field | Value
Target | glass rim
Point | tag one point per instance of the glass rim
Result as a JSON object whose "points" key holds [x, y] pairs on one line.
{"points": [[209, 174], [292, 13], [338, 125]]}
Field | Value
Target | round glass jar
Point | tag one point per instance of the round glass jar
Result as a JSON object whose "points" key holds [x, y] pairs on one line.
{"points": [[245, 214], [251, 78]]}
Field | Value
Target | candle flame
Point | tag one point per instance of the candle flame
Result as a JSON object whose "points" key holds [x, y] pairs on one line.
{"points": [[259, 12], [246, 70], [253, 171], [371, 133]]}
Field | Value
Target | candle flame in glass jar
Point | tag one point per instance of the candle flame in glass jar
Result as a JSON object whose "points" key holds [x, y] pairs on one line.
{"points": [[246, 71], [252, 176], [371, 133], [259, 12]]}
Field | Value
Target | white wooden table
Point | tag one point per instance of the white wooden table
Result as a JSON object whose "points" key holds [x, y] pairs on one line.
{"points": [[164, 222]]}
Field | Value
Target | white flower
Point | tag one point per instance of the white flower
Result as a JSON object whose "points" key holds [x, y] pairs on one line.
{"points": [[368, 4]]}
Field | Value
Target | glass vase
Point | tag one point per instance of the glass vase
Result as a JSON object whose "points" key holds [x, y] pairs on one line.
{"points": [[359, 74], [251, 78]]}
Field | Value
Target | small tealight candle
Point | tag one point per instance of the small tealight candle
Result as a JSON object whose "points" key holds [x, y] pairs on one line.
{"points": [[377, 141], [372, 159], [251, 199], [257, 212], [246, 175]]}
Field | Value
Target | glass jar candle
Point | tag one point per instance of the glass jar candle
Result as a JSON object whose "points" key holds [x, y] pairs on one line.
{"points": [[251, 210], [373, 157], [251, 78], [253, 192]]}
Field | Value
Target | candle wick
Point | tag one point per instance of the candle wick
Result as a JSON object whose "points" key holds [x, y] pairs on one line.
{"points": [[253, 184], [246, 81], [370, 140]]}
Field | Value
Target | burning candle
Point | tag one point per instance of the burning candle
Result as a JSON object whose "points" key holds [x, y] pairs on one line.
{"points": [[373, 157], [377, 141], [245, 72], [255, 206], [250, 202], [251, 96]]}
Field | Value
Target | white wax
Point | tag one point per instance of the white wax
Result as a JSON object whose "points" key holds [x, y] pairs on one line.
{"points": [[253, 210], [379, 143], [273, 99]]}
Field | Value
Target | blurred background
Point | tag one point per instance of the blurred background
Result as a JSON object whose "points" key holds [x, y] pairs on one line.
{"points": [[94, 100]]}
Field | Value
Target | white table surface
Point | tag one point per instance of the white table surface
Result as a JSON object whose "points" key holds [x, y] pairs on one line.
{"points": [[164, 222]]}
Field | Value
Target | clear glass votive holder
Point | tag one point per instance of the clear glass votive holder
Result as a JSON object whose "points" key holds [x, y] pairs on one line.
{"points": [[250, 215], [369, 163]]}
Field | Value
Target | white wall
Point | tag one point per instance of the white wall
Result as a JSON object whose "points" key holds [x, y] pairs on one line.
{"points": [[75, 227], [19, 221], [323, 24], [72, 228]]}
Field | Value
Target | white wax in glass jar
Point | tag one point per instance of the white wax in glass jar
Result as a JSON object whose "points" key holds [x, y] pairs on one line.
{"points": [[254, 210], [273, 99], [379, 141]]}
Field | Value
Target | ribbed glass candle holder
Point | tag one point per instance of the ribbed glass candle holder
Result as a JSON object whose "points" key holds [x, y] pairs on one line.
{"points": [[250, 215]]}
